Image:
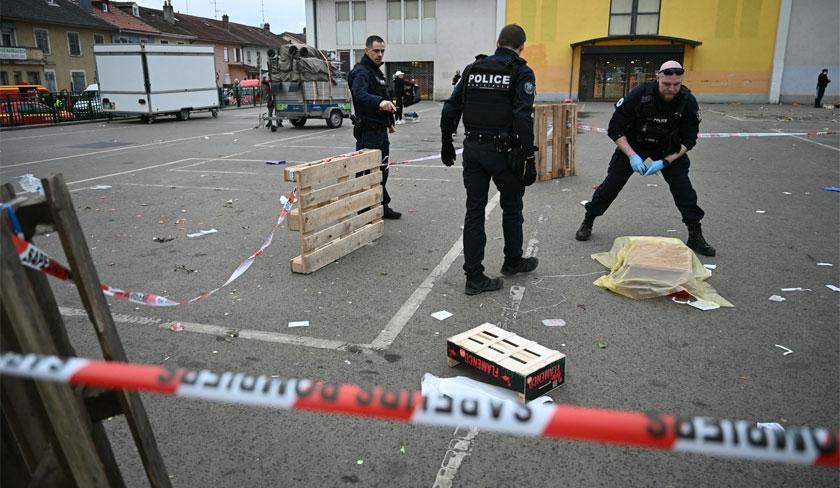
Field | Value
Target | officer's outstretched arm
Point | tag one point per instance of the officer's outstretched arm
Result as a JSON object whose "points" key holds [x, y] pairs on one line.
{"points": [[523, 111]]}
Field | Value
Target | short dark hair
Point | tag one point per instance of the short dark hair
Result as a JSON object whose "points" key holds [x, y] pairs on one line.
{"points": [[371, 39], [512, 36]]}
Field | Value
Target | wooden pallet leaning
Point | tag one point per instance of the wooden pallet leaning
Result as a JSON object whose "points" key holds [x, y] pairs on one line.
{"points": [[507, 359], [338, 211], [52, 433], [555, 126]]}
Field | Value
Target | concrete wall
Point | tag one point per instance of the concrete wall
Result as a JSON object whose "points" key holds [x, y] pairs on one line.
{"points": [[464, 28], [813, 44]]}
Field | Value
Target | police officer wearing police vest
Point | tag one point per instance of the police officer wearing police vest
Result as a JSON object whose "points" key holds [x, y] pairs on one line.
{"points": [[495, 97], [373, 110], [658, 120]]}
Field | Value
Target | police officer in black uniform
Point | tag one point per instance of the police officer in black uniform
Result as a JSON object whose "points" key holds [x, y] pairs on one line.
{"points": [[657, 120], [373, 110], [495, 96]]}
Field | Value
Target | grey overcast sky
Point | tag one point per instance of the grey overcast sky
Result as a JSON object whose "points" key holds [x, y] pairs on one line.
{"points": [[283, 15]]}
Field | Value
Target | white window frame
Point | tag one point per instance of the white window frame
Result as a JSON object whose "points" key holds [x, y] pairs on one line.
{"points": [[35, 37], [83, 74], [70, 47], [225, 54], [55, 80]]}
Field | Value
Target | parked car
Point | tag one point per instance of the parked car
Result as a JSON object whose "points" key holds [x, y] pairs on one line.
{"points": [[30, 112], [88, 103]]}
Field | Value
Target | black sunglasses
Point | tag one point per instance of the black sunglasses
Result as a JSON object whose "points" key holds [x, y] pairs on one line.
{"points": [[673, 71]]}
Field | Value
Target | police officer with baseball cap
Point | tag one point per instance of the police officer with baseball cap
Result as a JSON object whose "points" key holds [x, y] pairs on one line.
{"points": [[495, 97], [658, 120]]}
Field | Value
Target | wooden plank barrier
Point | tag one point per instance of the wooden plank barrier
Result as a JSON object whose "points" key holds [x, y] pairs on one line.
{"points": [[339, 207], [555, 126]]}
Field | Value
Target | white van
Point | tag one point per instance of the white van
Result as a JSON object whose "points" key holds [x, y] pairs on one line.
{"points": [[88, 103]]}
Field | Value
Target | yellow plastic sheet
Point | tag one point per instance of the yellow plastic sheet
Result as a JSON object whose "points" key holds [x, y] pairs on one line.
{"points": [[646, 267]]}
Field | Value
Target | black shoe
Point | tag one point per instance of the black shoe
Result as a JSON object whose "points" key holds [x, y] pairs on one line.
{"points": [[482, 283], [585, 230], [391, 214], [525, 265], [696, 241]]}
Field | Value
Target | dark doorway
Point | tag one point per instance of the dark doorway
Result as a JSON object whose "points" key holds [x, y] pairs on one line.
{"points": [[609, 76], [422, 72]]}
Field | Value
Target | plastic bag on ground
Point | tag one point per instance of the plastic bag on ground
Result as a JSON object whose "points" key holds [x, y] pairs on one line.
{"points": [[647, 267]]}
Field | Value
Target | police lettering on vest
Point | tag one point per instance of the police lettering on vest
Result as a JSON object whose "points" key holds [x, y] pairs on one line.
{"points": [[656, 127], [488, 95]]}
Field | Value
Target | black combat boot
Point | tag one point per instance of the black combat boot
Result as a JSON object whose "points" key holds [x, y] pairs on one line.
{"points": [[480, 282], [391, 214], [522, 265], [697, 242], [585, 229]]}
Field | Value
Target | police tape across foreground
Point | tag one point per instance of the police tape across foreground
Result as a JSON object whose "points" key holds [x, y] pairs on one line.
{"points": [[700, 435]]}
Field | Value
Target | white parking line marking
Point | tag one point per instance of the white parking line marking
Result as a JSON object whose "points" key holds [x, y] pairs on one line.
{"points": [[128, 172], [419, 179], [188, 187], [812, 142], [53, 135]]}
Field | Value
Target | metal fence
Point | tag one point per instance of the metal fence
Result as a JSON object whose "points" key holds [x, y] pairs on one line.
{"points": [[248, 96]]}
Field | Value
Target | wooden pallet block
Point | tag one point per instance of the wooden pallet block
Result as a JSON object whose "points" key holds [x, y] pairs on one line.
{"points": [[541, 117], [508, 360], [566, 121]]}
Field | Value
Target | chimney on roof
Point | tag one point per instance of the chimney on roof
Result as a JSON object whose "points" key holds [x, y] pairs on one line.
{"points": [[168, 12], [225, 21], [266, 27], [86, 6]]}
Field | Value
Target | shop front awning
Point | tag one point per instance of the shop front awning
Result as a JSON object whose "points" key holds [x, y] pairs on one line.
{"points": [[665, 39]]}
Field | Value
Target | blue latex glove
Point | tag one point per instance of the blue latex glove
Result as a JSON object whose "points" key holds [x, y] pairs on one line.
{"points": [[638, 164], [655, 167]]}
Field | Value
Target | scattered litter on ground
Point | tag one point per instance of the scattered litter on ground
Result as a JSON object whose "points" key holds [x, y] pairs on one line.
{"points": [[163, 239], [554, 322], [704, 305], [228, 204], [347, 362], [442, 315], [215, 352], [461, 385], [299, 323], [770, 426], [183, 267], [824, 264], [652, 184], [787, 193], [584, 202], [176, 327], [595, 187], [202, 233], [830, 188], [744, 377], [796, 289], [180, 221], [101, 187], [601, 345], [710, 266], [832, 287], [671, 230], [402, 449], [787, 351], [276, 161], [776, 298], [30, 184], [566, 189], [760, 211], [360, 461], [206, 138]]}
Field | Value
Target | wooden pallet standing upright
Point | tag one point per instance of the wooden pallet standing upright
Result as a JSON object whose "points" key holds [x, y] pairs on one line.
{"points": [[555, 126], [339, 207], [52, 433]]}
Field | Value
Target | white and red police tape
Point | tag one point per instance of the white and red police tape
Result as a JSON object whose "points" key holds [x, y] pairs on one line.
{"points": [[35, 258], [701, 435], [724, 135]]}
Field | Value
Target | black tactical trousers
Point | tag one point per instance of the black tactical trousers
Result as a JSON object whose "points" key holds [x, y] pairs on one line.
{"points": [[675, 174], [377, 138], [481, 164]]}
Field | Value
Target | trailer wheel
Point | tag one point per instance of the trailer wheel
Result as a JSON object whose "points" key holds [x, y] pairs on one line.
{"points": [[298, 122], [335, 119], [183, 115], [215, 113], [147, 119]]}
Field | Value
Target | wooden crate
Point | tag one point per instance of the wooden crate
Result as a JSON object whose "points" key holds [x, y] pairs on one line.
{"points": [[508, 360], [338, 212], [555, 127]]}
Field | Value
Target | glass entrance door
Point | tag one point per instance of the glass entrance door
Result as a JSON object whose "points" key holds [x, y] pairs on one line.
{"points": [[608, 77]]}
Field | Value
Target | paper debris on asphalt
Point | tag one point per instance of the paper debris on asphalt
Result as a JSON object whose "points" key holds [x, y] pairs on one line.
{"points": [[276, 161], [584, 202], [442, 315], [832, 287], [554, 322], [176, 327], [202, 233], [704, 305], [163, 239], [787, 351], [787, 193], [710, 266], [830, 188], [760, 211], [299, 323], [776, 298], [460, 385], [796, 289], [30, 184], [824, 264], [770, 426]]}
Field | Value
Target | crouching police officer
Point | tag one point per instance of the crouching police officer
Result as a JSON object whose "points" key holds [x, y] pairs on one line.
{"points": [[373, 110], [657, 120], [495, 96]]}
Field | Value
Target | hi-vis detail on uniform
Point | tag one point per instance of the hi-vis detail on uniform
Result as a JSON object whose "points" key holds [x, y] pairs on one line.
{"points": [[488, 81]]}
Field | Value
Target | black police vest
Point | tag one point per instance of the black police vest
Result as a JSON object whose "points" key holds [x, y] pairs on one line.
{"points": [[654, 127], [488, 95]]}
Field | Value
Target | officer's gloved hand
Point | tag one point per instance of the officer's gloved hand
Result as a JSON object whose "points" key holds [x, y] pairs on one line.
{"points": [[447, 152], [655, 167], [530, 171], [638, 164]]}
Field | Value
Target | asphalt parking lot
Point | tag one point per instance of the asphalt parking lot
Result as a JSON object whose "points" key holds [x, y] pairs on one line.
{"points": [[369, 312]]}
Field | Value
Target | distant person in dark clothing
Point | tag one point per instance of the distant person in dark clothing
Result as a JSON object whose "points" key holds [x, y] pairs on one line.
{"points": [[456, 77], [399, 93], [822, 82]]}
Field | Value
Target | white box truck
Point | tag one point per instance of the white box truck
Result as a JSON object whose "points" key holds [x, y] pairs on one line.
{"points": [[151, 80]]}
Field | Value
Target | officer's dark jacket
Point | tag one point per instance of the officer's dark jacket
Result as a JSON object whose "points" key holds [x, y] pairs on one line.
{"points": [[369, 88], [519, 102], [643, 117]]}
